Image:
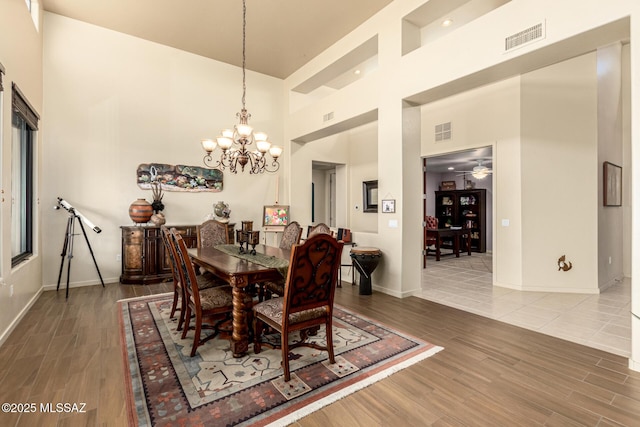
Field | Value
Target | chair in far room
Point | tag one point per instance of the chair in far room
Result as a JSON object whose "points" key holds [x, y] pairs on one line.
{"points": [[431, 223]]}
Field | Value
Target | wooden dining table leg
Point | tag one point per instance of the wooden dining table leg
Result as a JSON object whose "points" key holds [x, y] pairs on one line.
{"points": [[240, 334]]}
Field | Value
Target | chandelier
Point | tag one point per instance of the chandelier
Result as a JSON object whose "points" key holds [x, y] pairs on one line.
{"points": [[236, 143]]}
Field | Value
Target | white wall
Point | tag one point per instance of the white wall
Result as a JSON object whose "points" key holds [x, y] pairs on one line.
{"points": [[560, 176], [454, 63], [113, 102], [21, 56], [610, 149]]}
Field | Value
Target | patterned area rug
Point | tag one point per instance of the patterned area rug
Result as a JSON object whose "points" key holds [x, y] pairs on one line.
{"points": [[167, 387]]}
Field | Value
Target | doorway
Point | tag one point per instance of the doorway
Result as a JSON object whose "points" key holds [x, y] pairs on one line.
{"points": [[467, 170]]}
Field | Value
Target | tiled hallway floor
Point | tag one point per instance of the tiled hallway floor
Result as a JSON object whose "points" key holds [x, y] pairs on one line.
{"points": [[601, 321]]}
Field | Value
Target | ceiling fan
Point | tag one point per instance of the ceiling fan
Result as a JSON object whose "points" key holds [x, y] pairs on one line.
{"points": [[478, 172]]}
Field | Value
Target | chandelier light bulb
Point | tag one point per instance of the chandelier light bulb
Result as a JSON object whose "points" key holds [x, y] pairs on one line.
{"points": [[244, 130], [209, 145], [263, 145], [224, 142], [260, 136], [275, 151]]}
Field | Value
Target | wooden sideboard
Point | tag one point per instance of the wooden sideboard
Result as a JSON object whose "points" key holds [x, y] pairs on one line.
{"points": [[144, 259]]}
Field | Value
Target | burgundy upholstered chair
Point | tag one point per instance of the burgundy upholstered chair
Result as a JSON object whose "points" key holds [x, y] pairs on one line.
{"points": [[430, 241]]}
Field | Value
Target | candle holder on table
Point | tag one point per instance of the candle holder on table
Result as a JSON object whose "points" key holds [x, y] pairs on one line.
{"points": [[246, 236]]}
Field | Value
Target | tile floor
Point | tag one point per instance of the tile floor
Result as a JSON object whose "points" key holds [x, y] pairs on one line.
{"points": [[601, 321]]}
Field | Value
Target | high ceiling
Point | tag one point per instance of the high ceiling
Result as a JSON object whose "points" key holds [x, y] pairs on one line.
{"points": [[282, 35]]}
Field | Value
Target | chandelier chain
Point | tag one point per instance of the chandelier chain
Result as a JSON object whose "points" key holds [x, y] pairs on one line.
{"points": [[244, 54]]}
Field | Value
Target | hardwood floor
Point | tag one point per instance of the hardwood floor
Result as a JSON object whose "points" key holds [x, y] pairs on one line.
{"points": [[489, 373]]}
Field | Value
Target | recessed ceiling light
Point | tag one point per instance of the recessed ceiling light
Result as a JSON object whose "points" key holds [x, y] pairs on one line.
{"points": [[447, 22], [450, 168], [356, 72]]}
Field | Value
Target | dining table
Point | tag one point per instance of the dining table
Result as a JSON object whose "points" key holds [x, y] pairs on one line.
{"points": [[242, 271], [455, 234]]}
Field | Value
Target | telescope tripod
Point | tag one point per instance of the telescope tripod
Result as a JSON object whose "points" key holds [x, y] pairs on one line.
{"points": [[67, 249]]}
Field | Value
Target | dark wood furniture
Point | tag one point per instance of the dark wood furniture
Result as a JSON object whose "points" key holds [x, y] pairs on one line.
{"points": [[464, 208], [240, 274], [144, 259], [308, 297], [208, 236], [441, 234], [213, 303]]}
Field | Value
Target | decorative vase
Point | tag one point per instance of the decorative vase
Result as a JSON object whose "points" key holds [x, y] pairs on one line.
{"points": [[158, 218], [222, 211], [140, 211]]}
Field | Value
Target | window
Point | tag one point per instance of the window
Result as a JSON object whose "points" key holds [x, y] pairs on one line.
{"points": [[24, 126]]}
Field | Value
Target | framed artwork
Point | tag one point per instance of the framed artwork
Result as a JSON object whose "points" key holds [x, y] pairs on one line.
{"points": [[275, 215], [612, 184], [179, 177], [389, 206], [370, 196]]}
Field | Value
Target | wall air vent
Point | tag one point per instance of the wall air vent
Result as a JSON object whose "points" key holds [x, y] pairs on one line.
{"points": [[327, 117], [524, 37], [443, 131]]}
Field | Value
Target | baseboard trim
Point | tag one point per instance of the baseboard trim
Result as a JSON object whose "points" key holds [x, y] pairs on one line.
{"points": [[19, 317], [80, 284]]}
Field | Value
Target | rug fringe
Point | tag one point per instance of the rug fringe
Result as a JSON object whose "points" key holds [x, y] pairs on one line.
{"points": [[163, 295], [334, 397]]}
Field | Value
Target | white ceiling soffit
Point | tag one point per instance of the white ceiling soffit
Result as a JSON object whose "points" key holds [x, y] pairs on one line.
{"points": [[282, 35], [557, 52], [354, 122]]}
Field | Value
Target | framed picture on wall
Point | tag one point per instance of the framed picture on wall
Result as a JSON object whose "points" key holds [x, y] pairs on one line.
{"points": [[612, 184], [370, 196], [388, 206]]}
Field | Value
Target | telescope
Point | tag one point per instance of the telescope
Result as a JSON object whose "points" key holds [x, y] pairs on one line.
{"points": [[67, 206], [67, 248]]}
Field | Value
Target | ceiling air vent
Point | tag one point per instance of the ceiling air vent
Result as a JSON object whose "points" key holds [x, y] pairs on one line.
{"points": [[524, 37], [443, 131]]}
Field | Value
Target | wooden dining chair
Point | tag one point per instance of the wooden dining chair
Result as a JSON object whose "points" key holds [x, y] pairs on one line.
{"points": [[308, 298], [215, 304], [290, 236], [319, 228], [178, 290], [212, 233]]}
